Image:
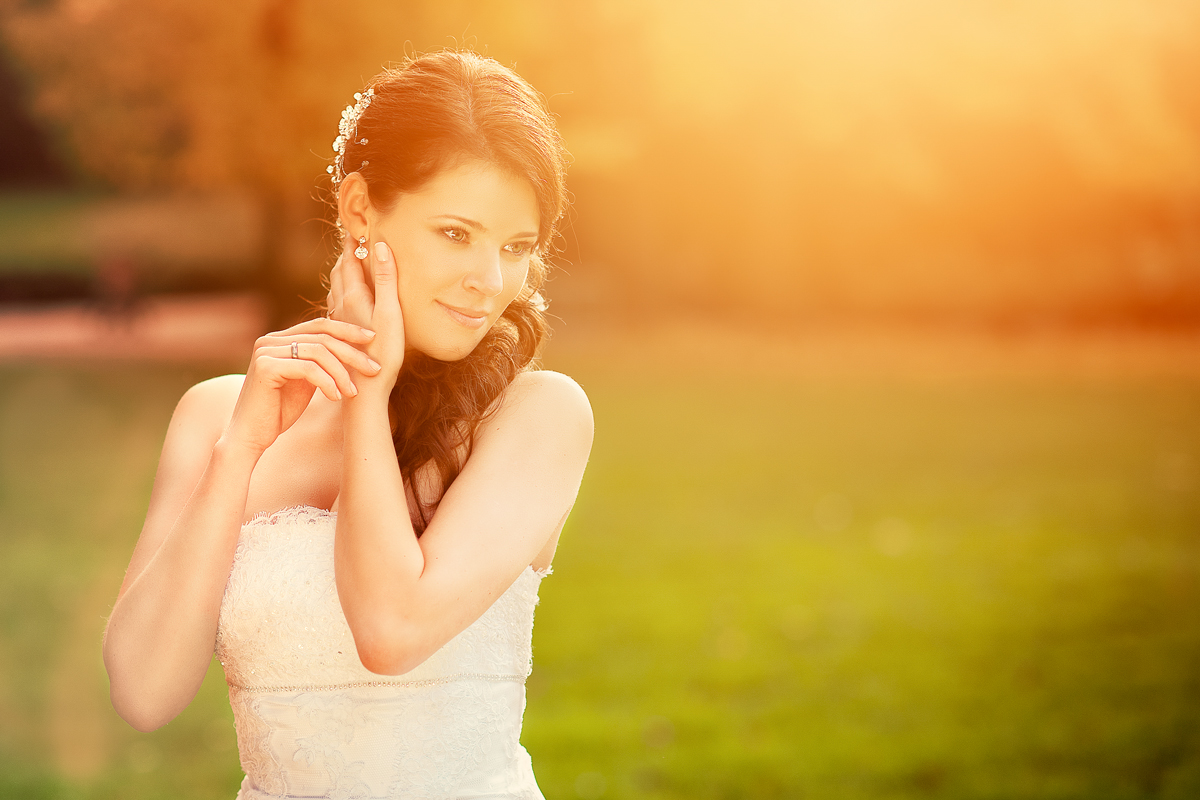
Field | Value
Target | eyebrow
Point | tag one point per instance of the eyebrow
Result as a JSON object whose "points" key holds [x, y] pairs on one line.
{"points": [[470, 223]]}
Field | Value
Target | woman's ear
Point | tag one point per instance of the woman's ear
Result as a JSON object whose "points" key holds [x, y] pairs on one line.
{"points": [[354, 205]]}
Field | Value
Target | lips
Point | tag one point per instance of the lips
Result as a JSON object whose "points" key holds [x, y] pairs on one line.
{"points": [[468, 317]]}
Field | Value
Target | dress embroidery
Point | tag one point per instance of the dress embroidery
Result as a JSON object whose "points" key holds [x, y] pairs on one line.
{"points": [[313, 722]]}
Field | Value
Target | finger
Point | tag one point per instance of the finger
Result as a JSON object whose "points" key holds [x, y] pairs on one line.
{"points": [[333, 290], [356, 298], [321, 355], [346, 331], [349, 245], [385, 265], [354, 269], [349, 355], [387, 301], [297, 369]]}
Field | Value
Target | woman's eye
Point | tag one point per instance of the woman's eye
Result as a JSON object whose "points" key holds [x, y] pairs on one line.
{"points": [[519, 248], [455, 234]]}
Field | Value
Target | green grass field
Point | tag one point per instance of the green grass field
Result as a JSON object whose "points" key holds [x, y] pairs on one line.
{"points": [[771, 586]]}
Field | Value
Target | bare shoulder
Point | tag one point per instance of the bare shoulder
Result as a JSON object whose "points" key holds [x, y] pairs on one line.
{"points": [[543, 404], [209, 404], [551, 396]]}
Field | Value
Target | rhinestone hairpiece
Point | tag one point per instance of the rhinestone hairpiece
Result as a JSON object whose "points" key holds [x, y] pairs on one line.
{"points": [[347, 130]]}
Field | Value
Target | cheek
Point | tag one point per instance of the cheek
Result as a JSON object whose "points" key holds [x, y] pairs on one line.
{"points": [[414, 298], [412, 278], [515, 283]]}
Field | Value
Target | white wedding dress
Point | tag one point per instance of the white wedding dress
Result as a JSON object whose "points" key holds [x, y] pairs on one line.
{"points": [[313, 722]]}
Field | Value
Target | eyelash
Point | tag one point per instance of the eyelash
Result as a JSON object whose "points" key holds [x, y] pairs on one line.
{"points": [[519, 249]]}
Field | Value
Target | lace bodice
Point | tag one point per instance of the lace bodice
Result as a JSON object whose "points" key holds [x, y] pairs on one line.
{"points": [[313, 722]]}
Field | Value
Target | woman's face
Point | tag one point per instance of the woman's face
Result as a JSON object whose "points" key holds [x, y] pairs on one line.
{"points": [[462, 245]]}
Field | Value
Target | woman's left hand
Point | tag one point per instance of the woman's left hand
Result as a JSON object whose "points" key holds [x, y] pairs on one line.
{"points": [[376, 308]]}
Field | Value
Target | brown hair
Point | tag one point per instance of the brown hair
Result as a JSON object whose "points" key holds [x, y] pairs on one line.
{"points": [[427, 115]]}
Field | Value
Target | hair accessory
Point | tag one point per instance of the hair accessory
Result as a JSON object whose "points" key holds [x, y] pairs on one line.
{"points": [[347, 131], [361, 250], [295, 349]]}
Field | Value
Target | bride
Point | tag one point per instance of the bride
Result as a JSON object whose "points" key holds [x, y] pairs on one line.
{"points": [[359, 524]]}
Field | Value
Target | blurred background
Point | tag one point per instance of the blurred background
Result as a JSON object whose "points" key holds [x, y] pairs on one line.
{"points": [[889, 312]]}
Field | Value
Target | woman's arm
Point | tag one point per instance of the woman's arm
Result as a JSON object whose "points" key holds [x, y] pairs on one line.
{"points": [[161, 634], [405, 597], [159, 639]]}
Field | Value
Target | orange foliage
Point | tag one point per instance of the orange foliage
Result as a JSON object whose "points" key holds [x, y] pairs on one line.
{"points": [[929, 157]]}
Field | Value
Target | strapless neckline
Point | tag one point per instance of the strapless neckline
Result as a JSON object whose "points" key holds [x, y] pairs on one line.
{"points": [[288, 512], [292, 513]]}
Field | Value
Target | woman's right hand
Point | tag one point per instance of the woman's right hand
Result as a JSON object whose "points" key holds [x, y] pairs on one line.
{"points": [[287, 368], [159, 638]]}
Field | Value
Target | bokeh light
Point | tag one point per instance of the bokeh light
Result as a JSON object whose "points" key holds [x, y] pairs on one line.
{"points": [[888, 312]]}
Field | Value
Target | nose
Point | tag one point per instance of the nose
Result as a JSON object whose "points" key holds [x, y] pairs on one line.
{"points": [[485, 275]]}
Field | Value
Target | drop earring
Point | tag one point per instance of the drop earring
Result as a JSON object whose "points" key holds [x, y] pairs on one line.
{"points": [[361, 251]]}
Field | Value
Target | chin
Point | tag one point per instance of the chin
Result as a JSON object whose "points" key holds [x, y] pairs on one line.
{"points": [[447, 350]]}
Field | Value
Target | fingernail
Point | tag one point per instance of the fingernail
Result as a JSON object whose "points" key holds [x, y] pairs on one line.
{"points": [[370, 333], [381, 251], [375, 366], [353, 390]]}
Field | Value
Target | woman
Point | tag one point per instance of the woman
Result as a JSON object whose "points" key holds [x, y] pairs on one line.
{"points": [[359, 523]]}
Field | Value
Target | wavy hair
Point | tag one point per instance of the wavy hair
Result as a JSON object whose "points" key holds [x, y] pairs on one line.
{"points": [[427, 115]]}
